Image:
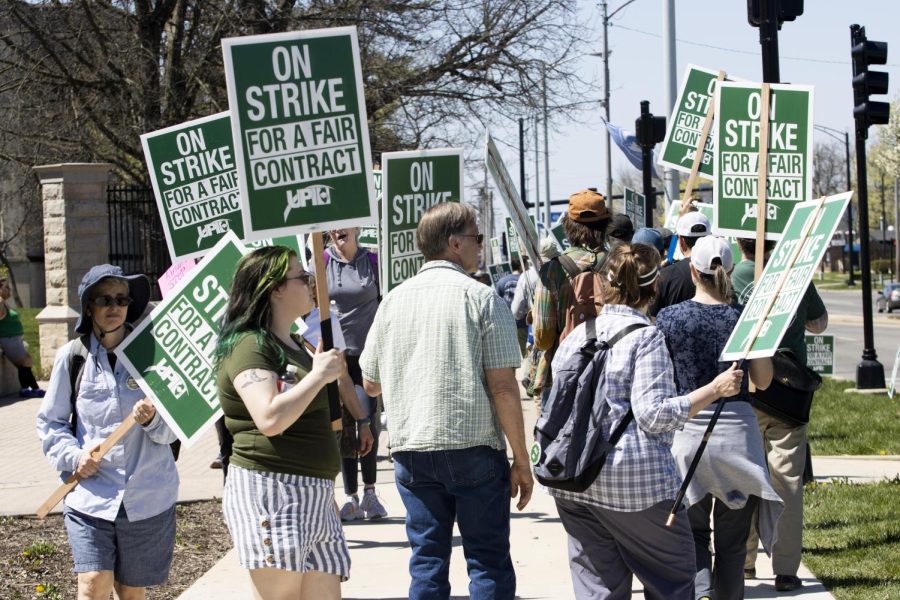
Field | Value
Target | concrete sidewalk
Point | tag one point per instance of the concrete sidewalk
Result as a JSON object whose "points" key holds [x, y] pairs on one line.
{"points": [[379, 550]]}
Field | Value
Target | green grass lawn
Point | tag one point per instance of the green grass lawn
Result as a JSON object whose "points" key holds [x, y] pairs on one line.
{"points": [[838, 281], [843, 423], [31, 335], [852, 538]]}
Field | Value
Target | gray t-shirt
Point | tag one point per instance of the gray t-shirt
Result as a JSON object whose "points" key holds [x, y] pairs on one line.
{"points": [[353, 289]]}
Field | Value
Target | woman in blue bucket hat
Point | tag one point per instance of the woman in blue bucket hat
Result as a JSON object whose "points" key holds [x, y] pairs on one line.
{"points": [[121, 517]]}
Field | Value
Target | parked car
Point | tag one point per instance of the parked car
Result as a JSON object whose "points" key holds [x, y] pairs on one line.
{"points": [[889, 298]]}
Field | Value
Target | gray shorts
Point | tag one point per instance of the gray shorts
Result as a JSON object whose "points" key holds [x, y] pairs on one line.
{"points": [[285, 522], [14, 348], [139, 553]]}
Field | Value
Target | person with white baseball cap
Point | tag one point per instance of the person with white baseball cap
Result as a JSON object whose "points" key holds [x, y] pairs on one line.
{"points": [[731, 480], [675, 283]]}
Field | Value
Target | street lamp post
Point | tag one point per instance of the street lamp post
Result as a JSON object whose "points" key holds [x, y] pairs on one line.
{"points": [[830, 132], [606, 19]]}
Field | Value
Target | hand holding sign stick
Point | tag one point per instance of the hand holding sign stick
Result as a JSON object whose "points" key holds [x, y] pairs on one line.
{"points": [[97, 454], [698, 154], [748, 346]]}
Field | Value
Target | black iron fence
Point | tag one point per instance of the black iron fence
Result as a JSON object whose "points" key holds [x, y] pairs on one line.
{"points": [[136, 239]]}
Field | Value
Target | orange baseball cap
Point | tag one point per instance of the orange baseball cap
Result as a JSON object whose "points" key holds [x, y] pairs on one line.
{"points": [[587, 206]]}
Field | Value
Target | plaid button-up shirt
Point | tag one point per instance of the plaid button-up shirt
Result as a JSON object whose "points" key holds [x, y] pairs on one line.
{"points": [[640, 471], [432, 340]]}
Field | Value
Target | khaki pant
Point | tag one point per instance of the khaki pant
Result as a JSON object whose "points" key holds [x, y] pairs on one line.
{"points": [[785, 447]]}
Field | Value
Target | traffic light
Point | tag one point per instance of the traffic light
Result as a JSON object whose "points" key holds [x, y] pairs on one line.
{"points": [[649, 130], [866, 82], [787, 10]]}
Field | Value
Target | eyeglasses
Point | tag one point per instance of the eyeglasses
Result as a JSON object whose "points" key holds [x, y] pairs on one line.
{"points": [[107, 301], [304, 277], [479, 237]]}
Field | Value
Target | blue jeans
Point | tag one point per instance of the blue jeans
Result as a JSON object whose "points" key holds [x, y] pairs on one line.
{"points": [[469, 486]]}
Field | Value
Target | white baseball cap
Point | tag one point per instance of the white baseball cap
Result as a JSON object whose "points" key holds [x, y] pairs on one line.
{"points": [[709, 249], [693, 224]]}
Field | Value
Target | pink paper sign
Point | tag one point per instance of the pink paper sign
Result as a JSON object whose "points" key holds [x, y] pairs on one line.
{"points": [[173, 275]]}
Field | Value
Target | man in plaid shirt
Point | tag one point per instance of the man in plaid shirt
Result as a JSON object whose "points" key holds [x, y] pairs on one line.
{"points": [[585, 225]]}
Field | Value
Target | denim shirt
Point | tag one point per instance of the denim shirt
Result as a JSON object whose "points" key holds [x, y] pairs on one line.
{"points": [[139, 471]]}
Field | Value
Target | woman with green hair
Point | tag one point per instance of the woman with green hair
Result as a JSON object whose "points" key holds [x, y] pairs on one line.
{"points": [[279, 495]]}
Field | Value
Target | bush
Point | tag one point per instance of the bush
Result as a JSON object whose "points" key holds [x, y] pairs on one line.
{"points": [[881, 265]]}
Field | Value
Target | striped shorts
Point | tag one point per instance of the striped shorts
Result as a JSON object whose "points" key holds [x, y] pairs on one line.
{"points": [[285, 522]]}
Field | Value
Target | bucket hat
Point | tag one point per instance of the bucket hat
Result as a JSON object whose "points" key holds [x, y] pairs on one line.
{"points": [[138, 289]]}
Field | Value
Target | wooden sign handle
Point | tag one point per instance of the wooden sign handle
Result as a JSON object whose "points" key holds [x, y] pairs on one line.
{"points": [[698, 155], [97, 454], [761, 178], [322, 298]]}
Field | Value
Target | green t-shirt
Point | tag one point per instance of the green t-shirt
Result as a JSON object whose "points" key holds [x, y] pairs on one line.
{"points": [[308, 447], [11, 324], [810, 308]]}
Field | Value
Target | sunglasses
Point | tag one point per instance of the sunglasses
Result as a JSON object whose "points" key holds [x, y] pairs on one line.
{"points": [[304, 277], [479, 237], [107, 301]]}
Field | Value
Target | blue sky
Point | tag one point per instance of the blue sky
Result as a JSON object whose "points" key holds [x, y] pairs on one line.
{"points": [[814, 50]]}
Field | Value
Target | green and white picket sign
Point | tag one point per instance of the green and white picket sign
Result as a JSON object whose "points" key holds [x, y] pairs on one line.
{"points": [[169, 353], [785, 278], [297, 243], [368, 234], [512, 240], [686, 125], [496, 251], [789, 163], [195, 182], [524, 225], [893, 385], [301, 137], [820, 353], [635, 205], [498, 271], [414, 181]]}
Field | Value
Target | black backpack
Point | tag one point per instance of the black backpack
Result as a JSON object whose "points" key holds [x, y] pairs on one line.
{"points": [[78, 355], [569, 446]]}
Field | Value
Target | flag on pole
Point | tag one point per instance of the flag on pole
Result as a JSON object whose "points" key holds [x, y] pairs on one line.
{"points": [[627, 143]]}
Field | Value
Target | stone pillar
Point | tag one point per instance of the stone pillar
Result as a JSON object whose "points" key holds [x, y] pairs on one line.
{"points": [[76, 237]]}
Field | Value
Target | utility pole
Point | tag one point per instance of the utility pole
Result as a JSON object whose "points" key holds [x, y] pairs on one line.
{"points": [[547, 222], [537, 188], [895, 269], [522, 161], [850, 281], [603, 6], [670, 85]]}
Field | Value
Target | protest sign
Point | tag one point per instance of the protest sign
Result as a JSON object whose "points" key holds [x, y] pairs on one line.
{"points": [[173, 275], [524, 225], [820, 353], [512, 240], [779, 290], [893, 386], [498, 271], [685, 129], [413, 182], [169, 353], [496, 251], [195, 182], [634, 208], [368, 234], [300, 131], [787, 157]]}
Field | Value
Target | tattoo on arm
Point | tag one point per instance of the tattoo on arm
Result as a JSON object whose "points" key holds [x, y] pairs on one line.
{"points": [[254, 376]]}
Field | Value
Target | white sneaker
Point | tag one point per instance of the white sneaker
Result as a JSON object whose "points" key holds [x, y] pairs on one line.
{"points": [[372, 506], [351, 510]]}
